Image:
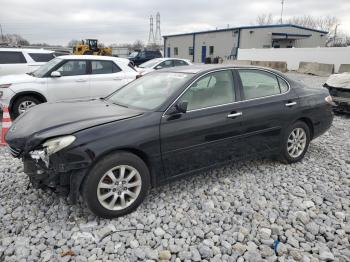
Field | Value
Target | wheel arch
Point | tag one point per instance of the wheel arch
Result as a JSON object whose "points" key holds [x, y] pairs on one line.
{"points": [[35, 94], [309, 123], [141, 154]]}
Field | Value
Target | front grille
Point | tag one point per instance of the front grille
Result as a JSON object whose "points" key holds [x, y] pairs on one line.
{"points": [[14, 151]]}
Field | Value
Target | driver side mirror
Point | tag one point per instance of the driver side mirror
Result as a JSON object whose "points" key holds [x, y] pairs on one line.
{"points": [[158, 67], [55, 74], [180, 107]]}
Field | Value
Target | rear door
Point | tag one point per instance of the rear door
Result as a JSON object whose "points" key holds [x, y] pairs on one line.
{"points": [[73, 83], [209, 132], [268, 107], [12, 62], [106, 77]]}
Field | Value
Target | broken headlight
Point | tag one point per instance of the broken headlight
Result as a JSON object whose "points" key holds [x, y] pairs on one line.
{"points": [[54, 145]]}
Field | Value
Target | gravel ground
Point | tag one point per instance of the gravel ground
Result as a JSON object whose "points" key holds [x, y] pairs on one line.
{"points": [[234, 213]]}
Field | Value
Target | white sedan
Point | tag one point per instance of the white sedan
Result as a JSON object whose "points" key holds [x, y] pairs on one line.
{"points": [[65, 78], [160, 63]]}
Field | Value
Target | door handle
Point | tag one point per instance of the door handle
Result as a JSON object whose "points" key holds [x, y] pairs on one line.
{"points": [[80, 80], [291, 104], [117, 78], [233, 115]]}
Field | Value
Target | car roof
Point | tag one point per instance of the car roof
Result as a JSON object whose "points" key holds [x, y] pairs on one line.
{"points": [[170, 58], [95, 57], [27, 50], [199, 68]]}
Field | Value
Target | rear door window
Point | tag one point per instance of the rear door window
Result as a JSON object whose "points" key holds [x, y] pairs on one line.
{"points": [[104, 67], [41, 57], [11, 57], [258, 83], [179, 63]]}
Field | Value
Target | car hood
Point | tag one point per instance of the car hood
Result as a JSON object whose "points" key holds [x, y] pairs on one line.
{"points": [[339, 80], [17, 79], [56, 119], [144, 71]]}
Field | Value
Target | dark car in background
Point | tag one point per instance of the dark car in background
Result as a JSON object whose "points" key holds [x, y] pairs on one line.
{"points": [[166, 125], [139, 57]]}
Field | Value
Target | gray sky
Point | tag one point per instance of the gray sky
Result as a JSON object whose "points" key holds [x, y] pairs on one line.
{"points": [[121, 21]]}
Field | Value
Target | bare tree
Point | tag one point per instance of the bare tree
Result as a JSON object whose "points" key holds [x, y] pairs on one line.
{"points": [[325, 23], [138, 45], [73, 42], [15, 40], [264, 19]]}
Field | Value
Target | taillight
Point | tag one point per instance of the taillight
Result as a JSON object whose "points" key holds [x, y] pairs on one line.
{"points": [[5, 86], [329, 100]]}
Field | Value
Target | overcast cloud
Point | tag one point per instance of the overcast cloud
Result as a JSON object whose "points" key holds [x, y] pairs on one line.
{"points": [[121, 21]]}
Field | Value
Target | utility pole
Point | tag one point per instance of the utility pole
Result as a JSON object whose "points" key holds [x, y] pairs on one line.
{"points": [[2, 36], [335, 34], [281, 20]]}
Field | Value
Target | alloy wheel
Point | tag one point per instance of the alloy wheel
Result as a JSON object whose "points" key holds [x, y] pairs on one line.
{"points": [[119, 187], [25, 105], [296, 142]]}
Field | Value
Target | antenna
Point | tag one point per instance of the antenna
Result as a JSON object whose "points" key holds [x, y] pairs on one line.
{"points": [[151, 34], [158, 36], [282, 3]]}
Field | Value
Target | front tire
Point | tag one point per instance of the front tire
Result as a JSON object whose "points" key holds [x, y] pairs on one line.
{"points": [[116, 185], [295, 142], [22, 104]]}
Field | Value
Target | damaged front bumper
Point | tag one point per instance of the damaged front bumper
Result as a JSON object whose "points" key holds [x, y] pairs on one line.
{"points": [[341, 98], [62, 171]]}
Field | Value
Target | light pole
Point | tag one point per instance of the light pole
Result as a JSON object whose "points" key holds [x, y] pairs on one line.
{"points": [[335, 33], [281, 20], [2, 36]]}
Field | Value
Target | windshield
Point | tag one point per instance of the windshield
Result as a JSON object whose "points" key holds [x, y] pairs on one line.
{"points": [[133, 54], [149, 91], [42, 70], [150, 63]]}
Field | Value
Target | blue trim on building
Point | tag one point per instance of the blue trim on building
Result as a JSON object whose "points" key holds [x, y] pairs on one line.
{"points": [[250, 27]]}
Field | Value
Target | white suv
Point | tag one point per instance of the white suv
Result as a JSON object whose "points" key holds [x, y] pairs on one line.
{"points": [[20, 61], [65, 78]]}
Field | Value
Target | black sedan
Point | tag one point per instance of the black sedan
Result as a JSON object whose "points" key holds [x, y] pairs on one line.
{"points": [[163, 126]]}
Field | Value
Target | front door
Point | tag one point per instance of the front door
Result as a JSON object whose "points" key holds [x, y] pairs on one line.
{"points": [[209, 132], [106, 77], [267, 108], [72, 84], [204, 53], [168, 52]]}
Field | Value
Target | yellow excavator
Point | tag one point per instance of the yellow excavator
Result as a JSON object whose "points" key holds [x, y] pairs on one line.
{"points": [[90, 47]]}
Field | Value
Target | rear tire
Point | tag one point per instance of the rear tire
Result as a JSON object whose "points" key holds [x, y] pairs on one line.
{"points": [[116, 185], [295, 142], [23, 103]]}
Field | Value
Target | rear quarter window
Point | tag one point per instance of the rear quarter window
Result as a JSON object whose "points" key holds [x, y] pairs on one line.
{"points": [[41, 57], [10, 57]]}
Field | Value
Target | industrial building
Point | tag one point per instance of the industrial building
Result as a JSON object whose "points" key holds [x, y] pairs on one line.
{"points": [[224, 43]]}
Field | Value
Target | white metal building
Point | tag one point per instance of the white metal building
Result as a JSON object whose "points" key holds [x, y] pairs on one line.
{"points": [[224, 43]]}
